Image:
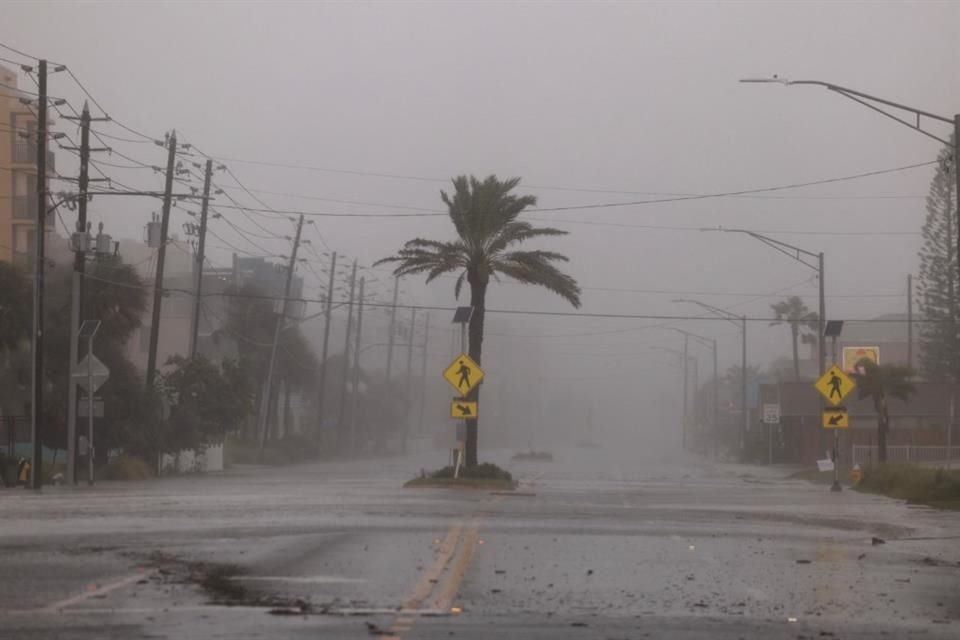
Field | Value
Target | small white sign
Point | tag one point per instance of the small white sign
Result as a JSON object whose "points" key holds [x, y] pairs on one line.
{"points": [[771, 414]]}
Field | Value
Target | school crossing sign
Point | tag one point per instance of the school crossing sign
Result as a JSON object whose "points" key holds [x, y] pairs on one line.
{"points": [[835, 385]]}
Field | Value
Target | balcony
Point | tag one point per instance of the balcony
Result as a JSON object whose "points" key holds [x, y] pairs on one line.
{"points": [[25, 152], [25, 207]]}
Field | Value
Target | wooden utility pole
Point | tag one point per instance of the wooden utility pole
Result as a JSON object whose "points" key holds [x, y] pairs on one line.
{"points": [[390, 336], [81, 241], [407, 386], [268, 385], [201, 243], [321, 392], [161, 258], [39, 264], [423, 375], [346, 359], [356, 372]]}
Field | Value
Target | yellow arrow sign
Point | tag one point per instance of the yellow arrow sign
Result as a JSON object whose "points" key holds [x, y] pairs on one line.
{"points": [[835, 385], [836, 418], [464, 409], [463, 374]]}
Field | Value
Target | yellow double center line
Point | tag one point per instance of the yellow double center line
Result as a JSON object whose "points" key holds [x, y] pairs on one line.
{"points": [[429, 594]]}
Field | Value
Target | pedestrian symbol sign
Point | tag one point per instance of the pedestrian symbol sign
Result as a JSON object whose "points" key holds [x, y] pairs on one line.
{"points": [[463, 409], [834, 385], [836, 418], [463, 374]]}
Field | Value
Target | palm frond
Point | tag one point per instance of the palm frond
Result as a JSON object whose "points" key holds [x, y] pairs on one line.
{"points": [[534, 267]]}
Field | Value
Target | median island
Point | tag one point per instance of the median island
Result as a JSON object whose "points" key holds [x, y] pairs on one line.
{"points": [[481, 476]]}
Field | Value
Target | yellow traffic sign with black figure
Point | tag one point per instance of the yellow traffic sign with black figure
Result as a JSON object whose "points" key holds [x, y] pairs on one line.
{"points": [[464, 409], [463, 374], [836, 418], [835, 385]]}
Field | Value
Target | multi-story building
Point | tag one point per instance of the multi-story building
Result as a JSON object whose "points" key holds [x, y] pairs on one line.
{"points": [[18, 173]]}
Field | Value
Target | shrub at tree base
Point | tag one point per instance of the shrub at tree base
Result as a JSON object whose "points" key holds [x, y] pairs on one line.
{"points": [[935, 487], [126, 468], [481, 476]]}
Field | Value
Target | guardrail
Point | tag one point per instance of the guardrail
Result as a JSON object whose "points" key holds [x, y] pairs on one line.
{"points": [[865, 454]]}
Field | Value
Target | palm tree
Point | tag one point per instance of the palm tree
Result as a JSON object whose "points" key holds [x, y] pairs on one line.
{"points": [[877, 382], [484, 215], [803, 324]]}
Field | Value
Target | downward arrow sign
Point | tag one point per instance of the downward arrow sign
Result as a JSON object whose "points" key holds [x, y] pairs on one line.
{"points": [[463, 409], [836, 419]]}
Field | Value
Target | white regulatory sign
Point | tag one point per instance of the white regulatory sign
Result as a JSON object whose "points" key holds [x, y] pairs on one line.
{"points": [[771, 414]]}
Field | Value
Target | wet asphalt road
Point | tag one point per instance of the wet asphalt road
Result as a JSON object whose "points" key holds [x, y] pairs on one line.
{"points": [[597, 544]]}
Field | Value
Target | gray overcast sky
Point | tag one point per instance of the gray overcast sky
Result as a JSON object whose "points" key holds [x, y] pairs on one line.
{"points": [[639, 97]]}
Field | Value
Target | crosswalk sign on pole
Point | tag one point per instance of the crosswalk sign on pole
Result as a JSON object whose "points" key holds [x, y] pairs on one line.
{"points": [[463, 374], [464, 409], [836, 418], [835, 385]]}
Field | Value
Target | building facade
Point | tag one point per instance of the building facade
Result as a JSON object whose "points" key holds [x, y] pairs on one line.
{"points": [[18, 173]]}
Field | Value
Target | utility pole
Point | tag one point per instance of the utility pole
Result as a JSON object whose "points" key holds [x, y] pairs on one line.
{"points": [[161, 258], [407, 390], [81, 245], [910, 321], [716, 401], [346, 357], [36, 423], [268, 384], [321, 392], [686, 394], [356, 373], [393, 319], [743, 389], [423, 374], [201, 243]]}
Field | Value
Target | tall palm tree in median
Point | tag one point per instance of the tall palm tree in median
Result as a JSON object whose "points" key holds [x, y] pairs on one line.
{"points": [[484, 215], [878, 382], [803, 325]]}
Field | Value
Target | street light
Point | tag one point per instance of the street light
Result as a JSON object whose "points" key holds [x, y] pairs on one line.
{"points": [[684, 357], [866, 99], [741, 323], [803, 257], [712, 343]]}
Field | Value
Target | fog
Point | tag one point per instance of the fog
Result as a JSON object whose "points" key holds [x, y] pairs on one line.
{"points": [[381, 104]]}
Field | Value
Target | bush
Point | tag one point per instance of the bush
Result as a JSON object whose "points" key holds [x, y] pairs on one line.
{"points": [[126, 467], [484, 471], [913, 484], [542, 456]]}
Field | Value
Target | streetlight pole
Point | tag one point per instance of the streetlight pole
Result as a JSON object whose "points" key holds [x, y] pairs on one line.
{"points": [[741, 323], [872, 102], [806, 258], [712, 343]]}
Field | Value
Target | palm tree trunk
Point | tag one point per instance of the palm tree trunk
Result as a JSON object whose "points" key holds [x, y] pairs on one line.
{"points": [[478, 296], [795, 333], [883, 426]]}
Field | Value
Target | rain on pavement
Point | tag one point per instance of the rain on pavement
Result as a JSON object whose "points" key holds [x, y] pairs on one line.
{"points": [[595, 544]]}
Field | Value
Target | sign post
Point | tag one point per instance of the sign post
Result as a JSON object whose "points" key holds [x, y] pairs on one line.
{"points": [[771, 417], [463, 375], [835, 385], [90, 374]]}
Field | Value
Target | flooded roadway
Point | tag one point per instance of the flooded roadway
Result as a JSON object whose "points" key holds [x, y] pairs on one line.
{"points": [[597, 544]]}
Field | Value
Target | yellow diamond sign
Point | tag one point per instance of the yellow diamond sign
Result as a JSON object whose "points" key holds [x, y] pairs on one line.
{"points": [[463, 374], [835, 385]]}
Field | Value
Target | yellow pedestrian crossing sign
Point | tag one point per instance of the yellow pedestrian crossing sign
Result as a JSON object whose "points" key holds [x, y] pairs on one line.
{"points": [[836, 418], [463, 409], [463, 374], [835, 385]]}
